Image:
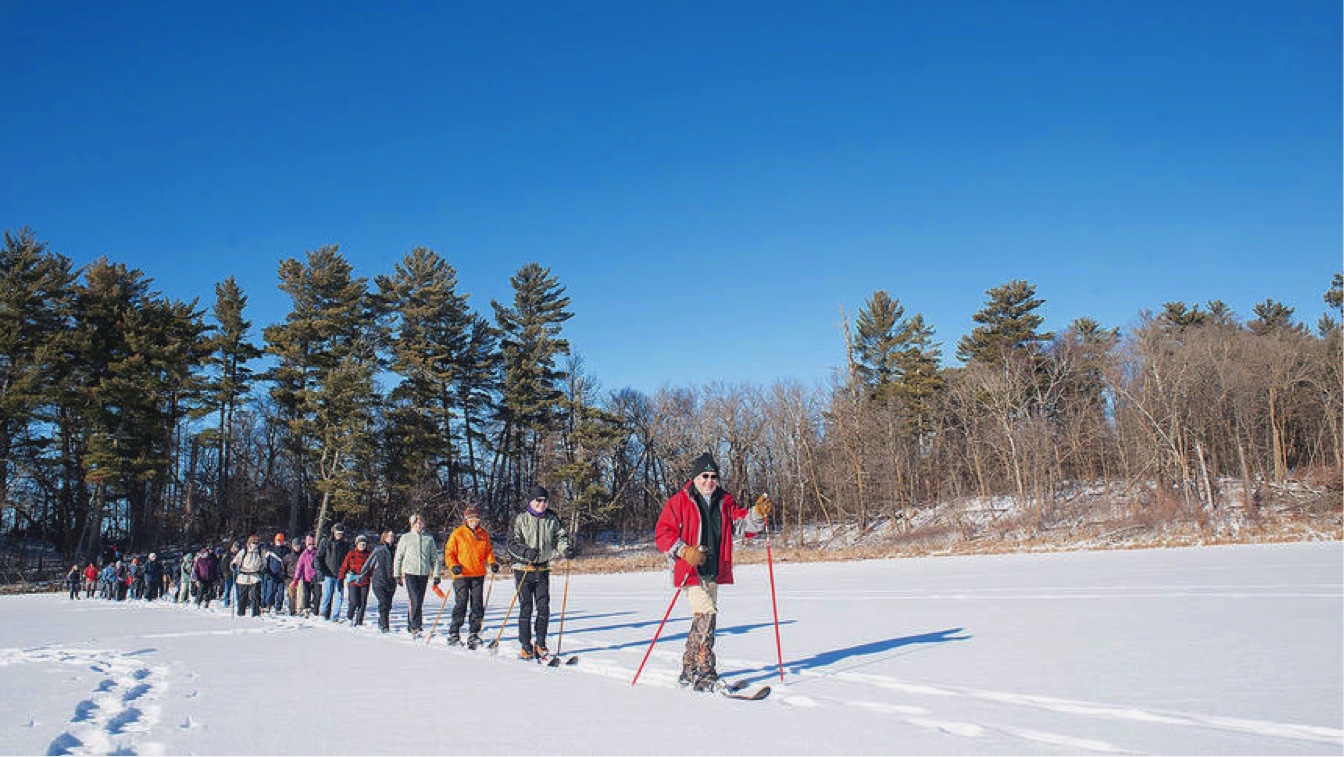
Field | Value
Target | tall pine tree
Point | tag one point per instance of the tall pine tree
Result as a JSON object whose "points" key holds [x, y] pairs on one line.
{"points": [[530, 345]]}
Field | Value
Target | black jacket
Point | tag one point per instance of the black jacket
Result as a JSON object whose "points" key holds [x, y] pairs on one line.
{"points": [[379, 565], [330, 554]]}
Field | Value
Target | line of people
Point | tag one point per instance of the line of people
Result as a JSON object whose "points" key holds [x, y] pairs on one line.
{"points": [[321, 578]]}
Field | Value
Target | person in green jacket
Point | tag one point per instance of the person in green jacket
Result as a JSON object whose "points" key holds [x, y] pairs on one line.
{"points": [[417, 559], [536, 538]]}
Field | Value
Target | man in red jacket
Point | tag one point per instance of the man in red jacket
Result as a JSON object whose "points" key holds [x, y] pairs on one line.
{"points": [[695, 531]]}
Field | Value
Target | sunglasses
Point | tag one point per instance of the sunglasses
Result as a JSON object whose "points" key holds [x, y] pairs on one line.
{"points": [[710, 476]]}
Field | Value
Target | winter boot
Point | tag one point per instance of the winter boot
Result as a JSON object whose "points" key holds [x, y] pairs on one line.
{"points": [[473, 641], [541, 651], [525, 654], [454, 640]]}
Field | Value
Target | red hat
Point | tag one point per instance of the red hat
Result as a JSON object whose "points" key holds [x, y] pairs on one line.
{"points": [[279, 537]]}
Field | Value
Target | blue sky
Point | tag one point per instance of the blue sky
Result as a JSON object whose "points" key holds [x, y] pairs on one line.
{"points": [[712, 182]]}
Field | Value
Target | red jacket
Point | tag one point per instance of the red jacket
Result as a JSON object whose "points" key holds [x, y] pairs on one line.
{"points": [[354, 563], [90, 574], [680, 524]]}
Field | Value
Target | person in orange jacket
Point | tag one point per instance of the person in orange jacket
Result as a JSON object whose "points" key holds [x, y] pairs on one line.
{"points": [[466, 556]]}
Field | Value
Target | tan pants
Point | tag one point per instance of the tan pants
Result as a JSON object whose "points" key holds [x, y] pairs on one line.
{"points": [[704, 598]]}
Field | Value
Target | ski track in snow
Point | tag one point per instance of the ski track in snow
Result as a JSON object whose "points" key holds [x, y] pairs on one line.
{"points": [[119, 712], [921, 716]]}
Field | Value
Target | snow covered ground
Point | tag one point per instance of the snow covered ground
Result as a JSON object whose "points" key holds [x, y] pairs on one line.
{"points": [[1218, 650]]}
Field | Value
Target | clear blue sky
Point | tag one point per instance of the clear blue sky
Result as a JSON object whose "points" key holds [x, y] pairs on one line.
{"points": [[712, 181]]}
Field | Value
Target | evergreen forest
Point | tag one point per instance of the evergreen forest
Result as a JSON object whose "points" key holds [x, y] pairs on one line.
{"points": [[132, 418]]}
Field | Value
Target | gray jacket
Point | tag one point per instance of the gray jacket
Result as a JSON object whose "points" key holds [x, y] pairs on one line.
{"points": [[536, 541], [417, 555]]}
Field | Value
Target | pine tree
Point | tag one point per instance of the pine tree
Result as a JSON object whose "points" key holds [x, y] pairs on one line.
{"points": [[431, 327], [1008, 325], [324, 381], [230, 353], [879, 338], [530, 344], [36, 288], [1273, 316]]}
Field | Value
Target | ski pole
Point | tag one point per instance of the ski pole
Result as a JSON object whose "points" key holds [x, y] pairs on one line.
{"points": [[656, 634], [774, 606], [494, 645], [560, 640], [489, 586], [436, 617]]}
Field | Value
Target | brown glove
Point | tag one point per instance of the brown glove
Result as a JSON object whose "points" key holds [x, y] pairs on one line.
{"points": [[695, 555], [764, 506]]}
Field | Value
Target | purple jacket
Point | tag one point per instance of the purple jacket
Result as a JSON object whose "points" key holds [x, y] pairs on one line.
{"points": [[207, 567], [304, 570]]}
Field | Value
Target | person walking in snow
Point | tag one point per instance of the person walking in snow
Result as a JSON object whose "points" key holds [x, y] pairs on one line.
{"points": [[378, 571], [695, 531], [153, 577], [186, 570], [537, 537], [416, 559], [206, 574], [356, 589], [273, 578], [90, 580], [73, 580], [291, 590], [305, 576], [466, 556], [248, 565], [331, 552]]}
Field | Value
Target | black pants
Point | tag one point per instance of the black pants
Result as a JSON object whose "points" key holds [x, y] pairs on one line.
{"points": [[384, 607], [205, 591], [249, 594], [468, 590], [356, 599], [415, 595], [534, 588]]}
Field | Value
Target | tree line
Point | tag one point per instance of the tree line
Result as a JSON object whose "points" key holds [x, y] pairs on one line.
{"points": [[127, 416]]}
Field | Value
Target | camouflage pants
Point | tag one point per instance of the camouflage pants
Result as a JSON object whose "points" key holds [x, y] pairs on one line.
{"points": [[697, 662]]}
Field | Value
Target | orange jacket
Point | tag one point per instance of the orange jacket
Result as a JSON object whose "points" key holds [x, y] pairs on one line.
{"points": [[470, 549]]}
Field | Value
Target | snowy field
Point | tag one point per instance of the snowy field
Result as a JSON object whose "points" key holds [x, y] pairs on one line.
{"points": [[1220, 650]]}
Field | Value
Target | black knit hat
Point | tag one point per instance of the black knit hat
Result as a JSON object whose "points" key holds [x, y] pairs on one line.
{"points": [[538, 492], [704, 464]]}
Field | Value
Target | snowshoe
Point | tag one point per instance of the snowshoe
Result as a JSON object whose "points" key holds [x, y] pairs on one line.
{"points": [[473, 642], [526, 654], [454, 640]]}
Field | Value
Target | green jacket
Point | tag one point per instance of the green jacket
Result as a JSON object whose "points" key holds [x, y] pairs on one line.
{"points": [[545, 535], [417, 555]]}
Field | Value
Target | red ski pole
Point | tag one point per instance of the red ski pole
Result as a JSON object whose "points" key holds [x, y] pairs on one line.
{"points": [[656, 634], [774, 605]]}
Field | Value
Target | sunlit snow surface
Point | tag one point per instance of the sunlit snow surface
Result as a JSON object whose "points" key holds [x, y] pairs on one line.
{"points": [[1218, 650]]}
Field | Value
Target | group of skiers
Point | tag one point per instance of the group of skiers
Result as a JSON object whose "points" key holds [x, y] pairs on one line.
{"points": [[695, 531], [319, 577]]}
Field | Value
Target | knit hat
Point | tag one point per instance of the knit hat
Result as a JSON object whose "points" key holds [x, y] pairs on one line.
{"points": [[538, 492], [472, 511], [704, 464]]}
